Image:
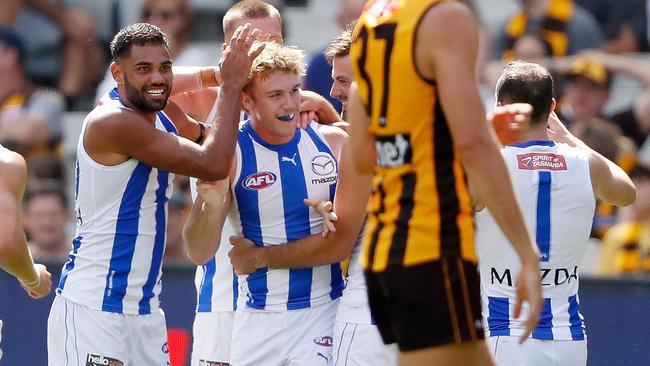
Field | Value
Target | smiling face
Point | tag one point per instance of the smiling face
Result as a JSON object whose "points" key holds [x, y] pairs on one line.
{"points": [[341, 79], [273, 104], [145, 77]]}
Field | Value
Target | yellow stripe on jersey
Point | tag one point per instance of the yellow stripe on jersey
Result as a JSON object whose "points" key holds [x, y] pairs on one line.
{"points": [[420, 208]]}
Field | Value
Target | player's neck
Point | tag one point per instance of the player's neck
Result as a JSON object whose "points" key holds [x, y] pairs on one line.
{"points": [[537, 133], [270, 136]]}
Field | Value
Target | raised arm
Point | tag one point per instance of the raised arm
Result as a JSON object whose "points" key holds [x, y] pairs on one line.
{"points": [[202, 230], [610, 182], [126, 133], [448, 37]]}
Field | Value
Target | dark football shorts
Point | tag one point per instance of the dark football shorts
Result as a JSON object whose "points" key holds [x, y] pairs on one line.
{"points": [[427, 305]]}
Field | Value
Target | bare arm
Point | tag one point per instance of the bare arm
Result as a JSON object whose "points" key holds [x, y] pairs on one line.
{"points": [[610, 182], [190, 78], [362, 142], [448, 39], [14, 253], [350, 202], [197, 103], [127, 134], [202, 230], [453, 52]]}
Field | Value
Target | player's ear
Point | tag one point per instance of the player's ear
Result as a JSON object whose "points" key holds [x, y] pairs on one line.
{"points": [[553, 104], [117, 73], [246, 101]]}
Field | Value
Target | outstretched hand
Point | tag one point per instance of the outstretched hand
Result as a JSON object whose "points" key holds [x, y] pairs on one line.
{"points": [[237, 58], [557, 131], [529, 289], [44, 285], [325, 209]]}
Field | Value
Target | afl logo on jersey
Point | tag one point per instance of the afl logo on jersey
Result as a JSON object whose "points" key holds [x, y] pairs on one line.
{"points": [[322, 164], [259, 180]]}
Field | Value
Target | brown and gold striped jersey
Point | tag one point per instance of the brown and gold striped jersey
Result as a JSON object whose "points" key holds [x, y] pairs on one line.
{"points": [[420, 208]]}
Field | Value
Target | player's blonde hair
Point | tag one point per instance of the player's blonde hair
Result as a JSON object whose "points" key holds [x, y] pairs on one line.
{"points": [[274, 58]]}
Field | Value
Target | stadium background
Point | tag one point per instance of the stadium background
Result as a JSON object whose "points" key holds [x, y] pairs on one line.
{"points": [[616, 309]]}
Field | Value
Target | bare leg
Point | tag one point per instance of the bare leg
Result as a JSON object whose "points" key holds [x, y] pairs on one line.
{"points": [[467, 353]]}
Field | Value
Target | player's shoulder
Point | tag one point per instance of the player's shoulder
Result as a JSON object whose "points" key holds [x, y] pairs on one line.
{"points": [[13, 170], [335, 136], [445, 18]]}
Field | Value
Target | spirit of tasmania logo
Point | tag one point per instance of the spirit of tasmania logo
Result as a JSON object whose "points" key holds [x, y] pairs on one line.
{"points": [[541, 161]]}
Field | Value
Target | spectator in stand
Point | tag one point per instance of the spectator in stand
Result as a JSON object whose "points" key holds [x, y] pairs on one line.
{"points": [[61, 42], [624, 23], [626, 246], [588, 90], [46, 218], [319, 71], [565, 26], [30, 116], [174, 17]]}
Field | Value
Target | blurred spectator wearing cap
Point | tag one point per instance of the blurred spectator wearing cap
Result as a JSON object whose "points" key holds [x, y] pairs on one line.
{"points": [[174, 17], [46, 220], [586, 92], [626, 246], [61, 42], [589, 78], [624, 23], [30, 116], [564, 26]]}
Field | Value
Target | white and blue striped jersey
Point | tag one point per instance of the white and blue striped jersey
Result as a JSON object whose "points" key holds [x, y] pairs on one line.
{"points": [[271, 182], [552, 183], [115, 263]]}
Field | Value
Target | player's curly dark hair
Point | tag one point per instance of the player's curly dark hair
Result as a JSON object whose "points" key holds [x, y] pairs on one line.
{"points": [[139, 34]]}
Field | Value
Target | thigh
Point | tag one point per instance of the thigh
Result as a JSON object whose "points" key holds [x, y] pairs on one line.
{"points": [[427, 305], [259, 338], [149, 339], [313, 331], [571, 353], [79, 335], [212, 335], [466, 353], [361, 345], [507, 351]]}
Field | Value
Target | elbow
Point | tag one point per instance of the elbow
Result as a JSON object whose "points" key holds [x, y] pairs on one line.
{"points": [[198, 257], [628, 196], [476, 150], [216, 172]]}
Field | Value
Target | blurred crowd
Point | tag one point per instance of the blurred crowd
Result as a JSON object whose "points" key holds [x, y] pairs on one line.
{"points": [[54, 59]]}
